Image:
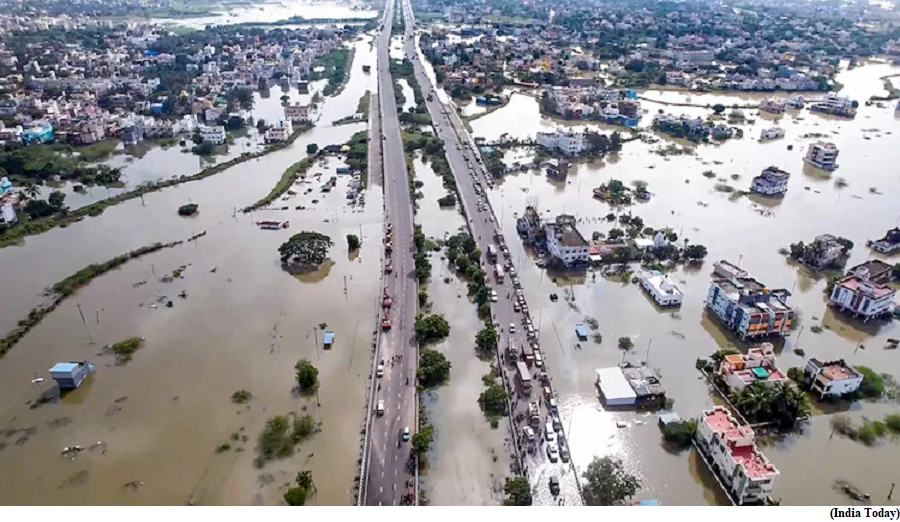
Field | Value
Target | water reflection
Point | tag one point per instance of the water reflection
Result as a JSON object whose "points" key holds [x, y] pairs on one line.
{"points": [[244, 324], [746, 229]]}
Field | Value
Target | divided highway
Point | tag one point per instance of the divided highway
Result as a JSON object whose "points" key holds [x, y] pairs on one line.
{"points": [[472, 183], [388, 475]]}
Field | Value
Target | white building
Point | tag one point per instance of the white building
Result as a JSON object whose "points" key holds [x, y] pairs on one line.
{"points": [[7, 214], [570, 143], [296, 112], [214, 134], [730, 450], [861, 297], [822, 155], [662, 289], [565, 243], [772, 182], [279, 132], [834, 104], [832, 378], [758, 365]]}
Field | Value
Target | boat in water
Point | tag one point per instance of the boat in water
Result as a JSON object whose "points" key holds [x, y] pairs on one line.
{"points": [[273, 225]]}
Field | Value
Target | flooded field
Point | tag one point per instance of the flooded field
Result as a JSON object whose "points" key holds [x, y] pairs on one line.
{"points": [[271, 11], [243, 324], [745, 229], [468, 460]]}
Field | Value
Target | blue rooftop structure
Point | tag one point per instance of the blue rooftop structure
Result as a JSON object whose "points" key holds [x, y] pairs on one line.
{"points": [[581, 331], [70, 375]]}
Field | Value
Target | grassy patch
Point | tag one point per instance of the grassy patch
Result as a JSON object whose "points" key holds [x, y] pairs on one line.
{"points": [[98, 151], [125, 350]]}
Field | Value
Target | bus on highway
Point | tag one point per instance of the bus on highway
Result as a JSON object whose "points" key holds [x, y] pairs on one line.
{"points": [[523, 376], [498, 272]]}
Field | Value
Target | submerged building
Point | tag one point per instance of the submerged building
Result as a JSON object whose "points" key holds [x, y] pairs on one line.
{"points": [[822, 155], [749, 309], [565, 243], [772, 182], [730, 451]]}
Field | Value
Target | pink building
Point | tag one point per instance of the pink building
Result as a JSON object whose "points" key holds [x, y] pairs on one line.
{"points": [[729, 449]]}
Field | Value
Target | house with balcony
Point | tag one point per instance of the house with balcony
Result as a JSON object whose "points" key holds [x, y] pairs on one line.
{"points": [[772, 182], [832, 378], [857, 294], [822, 155], [730, 451], [757, 365], [749, 309]]}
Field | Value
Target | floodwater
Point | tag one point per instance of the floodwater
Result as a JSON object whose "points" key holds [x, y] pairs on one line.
{"points": [[243, 325], [274, 11], [469, 460], [180, 161], [745, 229]]}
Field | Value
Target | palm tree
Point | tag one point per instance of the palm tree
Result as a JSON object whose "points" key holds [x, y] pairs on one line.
{"points": [[754, 401], [789, 404]]}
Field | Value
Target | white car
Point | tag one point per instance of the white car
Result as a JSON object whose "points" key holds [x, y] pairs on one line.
{"points": [[549, 432], [529, 433], [493, 296], [512, 328], [538, 360], [553, 452], [380, 371], [380, 409]]}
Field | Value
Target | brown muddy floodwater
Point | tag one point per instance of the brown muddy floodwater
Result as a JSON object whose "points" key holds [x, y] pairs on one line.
{"points": [[244, 324], [744, 229], [468, 461]]}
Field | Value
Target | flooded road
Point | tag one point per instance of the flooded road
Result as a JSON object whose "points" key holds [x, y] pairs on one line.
{"points": [[469, 460], [243, 325], [744, 229]]}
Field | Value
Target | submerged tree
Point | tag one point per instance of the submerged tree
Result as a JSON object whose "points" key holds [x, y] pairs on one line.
{"points": [[608, 483], [306, 250]]}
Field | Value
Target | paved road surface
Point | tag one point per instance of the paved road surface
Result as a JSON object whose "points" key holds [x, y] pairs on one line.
{"points": [[463, 159], [387, 474]]}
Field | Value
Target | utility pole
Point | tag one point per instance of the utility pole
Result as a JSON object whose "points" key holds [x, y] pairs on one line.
{"points": [[647, 359], [316, 334], [81, 313]]}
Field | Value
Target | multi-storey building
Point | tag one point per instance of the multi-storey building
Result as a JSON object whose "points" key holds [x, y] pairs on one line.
{"points": [[860, 296], [772, 182], [832, 378], [822, 155], [730, 450], [749, 309]]}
